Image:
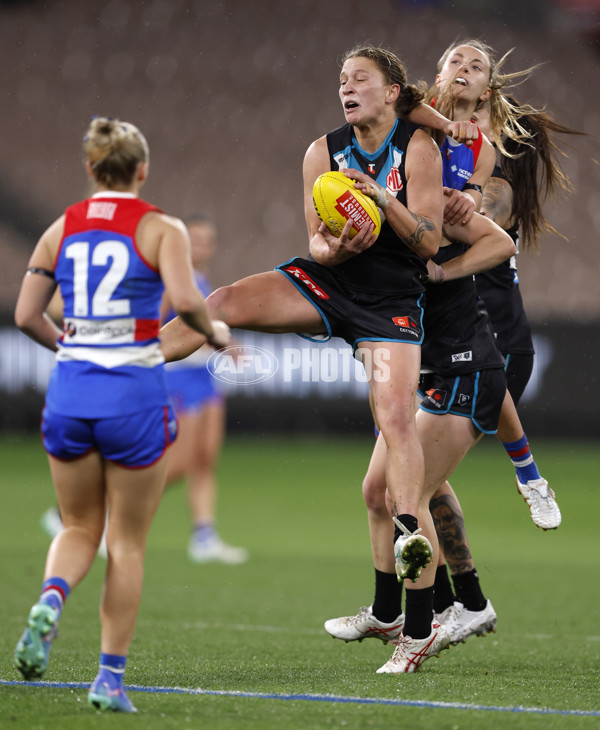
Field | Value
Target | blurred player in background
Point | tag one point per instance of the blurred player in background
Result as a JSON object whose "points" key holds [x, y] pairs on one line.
{"points": [[107, 419], [200, 407]]}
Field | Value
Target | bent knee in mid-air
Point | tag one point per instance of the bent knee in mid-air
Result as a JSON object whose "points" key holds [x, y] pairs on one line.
{"points": [[373, 490]]}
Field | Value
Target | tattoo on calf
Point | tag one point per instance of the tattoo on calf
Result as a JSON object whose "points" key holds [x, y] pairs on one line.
{"points": [[450, 529]]}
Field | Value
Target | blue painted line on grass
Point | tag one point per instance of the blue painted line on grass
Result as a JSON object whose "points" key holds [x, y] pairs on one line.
{"points": [[314, 698]]}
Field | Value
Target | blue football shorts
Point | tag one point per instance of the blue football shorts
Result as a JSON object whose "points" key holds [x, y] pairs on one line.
{"points": [[136, 440], [193, 388]]}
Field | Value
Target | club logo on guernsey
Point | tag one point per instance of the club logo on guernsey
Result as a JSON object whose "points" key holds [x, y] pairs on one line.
{"points": [[307, 281], [393, 181]]}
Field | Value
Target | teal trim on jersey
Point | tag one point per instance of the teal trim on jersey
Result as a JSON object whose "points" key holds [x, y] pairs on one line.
{"points": [[351, 160], [377, 153], [305, 295]]}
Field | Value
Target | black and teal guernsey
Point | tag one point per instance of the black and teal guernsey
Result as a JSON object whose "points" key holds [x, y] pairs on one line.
{"points": [[499, 289], [389, 265], [458, 337]]}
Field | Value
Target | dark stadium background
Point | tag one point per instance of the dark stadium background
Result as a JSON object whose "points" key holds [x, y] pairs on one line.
{"points": [[229, 95]]}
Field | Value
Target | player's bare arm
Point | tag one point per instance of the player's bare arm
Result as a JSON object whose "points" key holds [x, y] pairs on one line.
{"points": [[497, 201], [420, 223], [425, 115], [37, 289], [488, 244]]}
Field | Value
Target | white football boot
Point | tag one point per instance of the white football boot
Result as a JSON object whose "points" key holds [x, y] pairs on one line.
{"points": [[364, 626], [542, 503], [461, 623], [410, 653], [216, 551]]}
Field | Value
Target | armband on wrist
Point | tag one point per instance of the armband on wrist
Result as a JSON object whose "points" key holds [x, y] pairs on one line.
{"points": [[471, 186]]}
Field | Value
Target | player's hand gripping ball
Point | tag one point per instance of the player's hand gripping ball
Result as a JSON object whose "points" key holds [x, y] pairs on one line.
{"points": [[337, 200]]}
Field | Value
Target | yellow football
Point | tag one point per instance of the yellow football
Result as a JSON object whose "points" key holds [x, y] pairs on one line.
{"points": [[337, 200]]}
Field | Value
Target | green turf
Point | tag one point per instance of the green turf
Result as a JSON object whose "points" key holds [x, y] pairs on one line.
{"points": [[297, 506]]}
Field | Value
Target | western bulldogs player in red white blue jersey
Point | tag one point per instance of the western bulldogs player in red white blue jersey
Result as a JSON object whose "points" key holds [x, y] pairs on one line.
{"points": [[107, 419]]}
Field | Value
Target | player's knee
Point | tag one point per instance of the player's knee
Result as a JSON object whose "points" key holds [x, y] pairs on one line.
{"points": [[373, 490], [224, 304], [396, 427]]}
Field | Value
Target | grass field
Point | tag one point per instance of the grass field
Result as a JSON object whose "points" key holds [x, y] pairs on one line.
{"points": [[245, 646]]}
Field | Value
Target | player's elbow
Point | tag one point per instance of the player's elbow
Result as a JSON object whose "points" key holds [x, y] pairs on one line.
{"points": [[507, 246], [25, 317], [429, 247]]}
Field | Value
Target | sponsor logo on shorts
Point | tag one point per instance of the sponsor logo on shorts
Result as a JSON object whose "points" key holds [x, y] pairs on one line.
{"points": [[462, 356], [463, 399], [307, 281], [437, 397], [408, 322], [407, 325]]}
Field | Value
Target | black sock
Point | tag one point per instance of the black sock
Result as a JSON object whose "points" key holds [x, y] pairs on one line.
{"points": [[443, 595], [418, 612], [409, 521], [468, 591], [387, 605]]}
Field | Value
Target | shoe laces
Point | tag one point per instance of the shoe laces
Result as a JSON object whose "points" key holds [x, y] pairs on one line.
{"points": [[404, 529], [362, 615], [401, 644]]}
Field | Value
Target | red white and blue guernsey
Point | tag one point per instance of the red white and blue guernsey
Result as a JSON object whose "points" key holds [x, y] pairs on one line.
{"points": [[109, 363], [459, 161]]}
